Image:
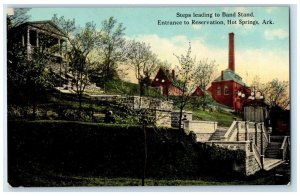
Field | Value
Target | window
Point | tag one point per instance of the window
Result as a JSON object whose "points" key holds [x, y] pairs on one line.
{"points": [[218, 90], [226, 90]]}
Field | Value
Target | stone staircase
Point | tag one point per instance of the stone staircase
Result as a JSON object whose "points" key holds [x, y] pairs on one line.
{"points": [[270, 163], [272, 154], [272, 150], [218, 134]]}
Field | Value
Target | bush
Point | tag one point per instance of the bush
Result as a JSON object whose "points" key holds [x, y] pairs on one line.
{"points": [[108, 150]]}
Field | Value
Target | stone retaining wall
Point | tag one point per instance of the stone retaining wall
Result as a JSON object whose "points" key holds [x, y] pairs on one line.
{"points": [[203, 129], [251, 165], [175, 117]]}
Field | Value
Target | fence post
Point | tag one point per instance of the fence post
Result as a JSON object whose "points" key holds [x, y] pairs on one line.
{"points": [[262, 145], [186, 126], [269, 134], [255, 138], [246, 131], [237, 134]]}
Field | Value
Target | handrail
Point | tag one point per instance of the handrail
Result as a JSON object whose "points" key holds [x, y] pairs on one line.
{"points": [[283, 147], [230, 130], [233, 134], [264, 132], [257, 155], [284, 142], [266, 137]]}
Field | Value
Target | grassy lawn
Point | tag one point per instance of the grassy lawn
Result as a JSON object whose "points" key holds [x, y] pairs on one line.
{"points": [[223, 118], [54, 181]]}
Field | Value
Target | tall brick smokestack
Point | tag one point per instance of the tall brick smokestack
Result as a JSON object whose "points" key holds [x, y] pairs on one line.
{"points": [[231, 52]]}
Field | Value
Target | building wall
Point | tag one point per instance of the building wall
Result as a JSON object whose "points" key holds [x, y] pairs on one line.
{"points": [[198, 92], [161, 80], [255, 113], [173, 91], [226, 99], [230, 99]]}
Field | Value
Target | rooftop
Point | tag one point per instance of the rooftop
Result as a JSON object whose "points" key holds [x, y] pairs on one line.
{"points": [[177, 83], [228, 75], [45, 25]]}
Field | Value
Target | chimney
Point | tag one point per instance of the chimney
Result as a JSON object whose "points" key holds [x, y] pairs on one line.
{"points": [[222, 75], [231, 52], [173, 74]]}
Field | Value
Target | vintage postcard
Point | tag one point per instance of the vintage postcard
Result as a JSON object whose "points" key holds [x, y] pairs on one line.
{"points": [[148, 96]]}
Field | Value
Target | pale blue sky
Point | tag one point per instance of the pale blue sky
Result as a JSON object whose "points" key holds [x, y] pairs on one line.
{"points": [[140, 20], [141, 24]]}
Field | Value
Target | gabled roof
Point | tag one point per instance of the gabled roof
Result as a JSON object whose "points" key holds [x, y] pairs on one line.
{"points": [[45, 25], [198, 91], [228, 75], [177, 83]]}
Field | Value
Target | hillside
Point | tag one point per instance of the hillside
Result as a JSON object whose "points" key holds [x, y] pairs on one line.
{"points": [[56, 105]]}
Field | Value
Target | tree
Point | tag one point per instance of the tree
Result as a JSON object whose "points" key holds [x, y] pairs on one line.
{"points": [[205, 71], [19, 16], [276, 93], [67, 26], [82, 42], [112, 47], [28, 75], [257, 85], [80, 64], [143, 61], [188, 79]]}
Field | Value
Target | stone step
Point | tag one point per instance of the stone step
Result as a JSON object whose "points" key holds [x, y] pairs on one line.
{"points": [[277, 139], [270, 163], [273, 146], [218, 134], [275, 143], [272, 151], [273, 156]]}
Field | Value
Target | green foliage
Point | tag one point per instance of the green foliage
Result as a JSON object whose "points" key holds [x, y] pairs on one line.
{"points": [[277, 94], [66, 25], [64, 148], [221, 154], [112, 50], [143, 61], [19, 16], [54, 181], [122, 87], [27, 74], [203, 102], [223, 118]]}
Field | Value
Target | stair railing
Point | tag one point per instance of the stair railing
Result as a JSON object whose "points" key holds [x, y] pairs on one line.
{"points": [[265, 133], [230, 133], [284, 147], [257, 155]]}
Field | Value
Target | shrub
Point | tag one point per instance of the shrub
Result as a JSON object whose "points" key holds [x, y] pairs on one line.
{"points": [[109, 150]]}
